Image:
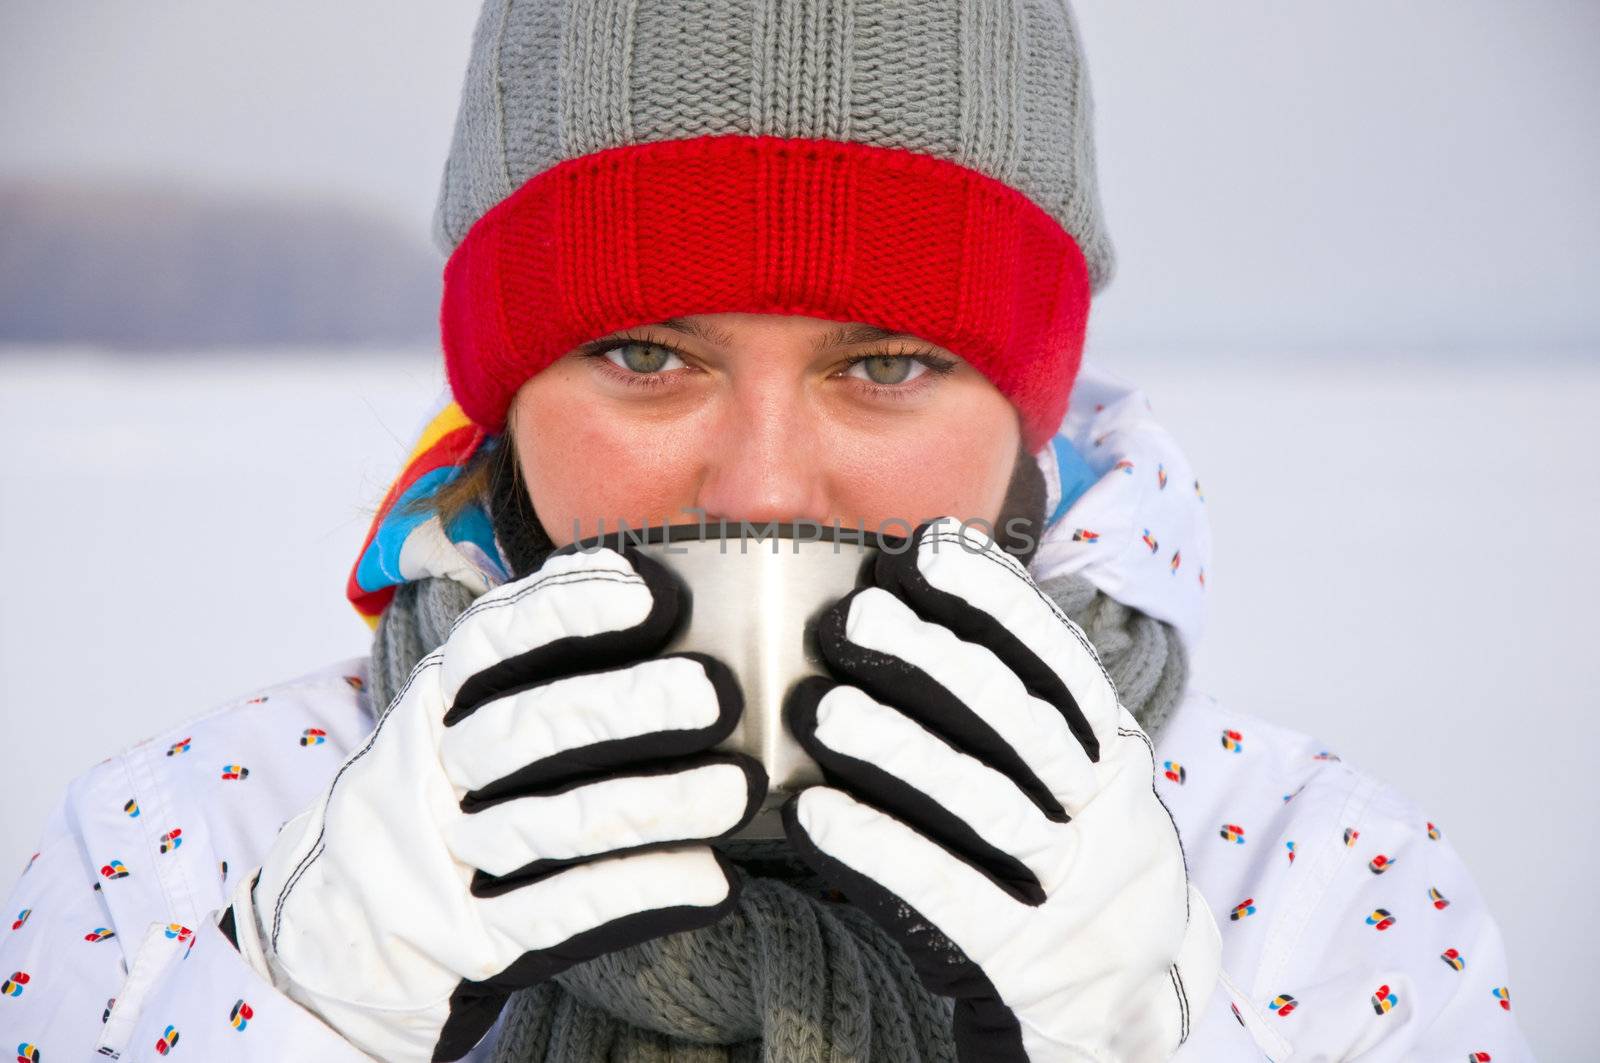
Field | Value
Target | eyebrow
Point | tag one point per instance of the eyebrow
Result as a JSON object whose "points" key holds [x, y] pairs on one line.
{"points": [[693, 328], [850, 335], [839, 336]]}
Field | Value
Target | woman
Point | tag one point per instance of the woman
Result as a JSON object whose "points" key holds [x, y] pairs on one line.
{"points": [[761, 262]]}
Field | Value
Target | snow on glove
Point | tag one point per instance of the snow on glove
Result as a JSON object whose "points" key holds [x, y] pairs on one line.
{"points": [[993, 806], [531, 800]]}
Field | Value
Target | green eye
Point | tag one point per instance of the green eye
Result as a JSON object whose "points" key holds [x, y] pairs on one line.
{"points": [[641, 358], [890, 369]]}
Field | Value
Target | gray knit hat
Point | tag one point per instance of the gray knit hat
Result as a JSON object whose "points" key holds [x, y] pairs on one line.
{"points": [[551, 163]]}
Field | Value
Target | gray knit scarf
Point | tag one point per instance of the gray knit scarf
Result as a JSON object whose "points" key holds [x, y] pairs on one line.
{"points": [[793, 974]]}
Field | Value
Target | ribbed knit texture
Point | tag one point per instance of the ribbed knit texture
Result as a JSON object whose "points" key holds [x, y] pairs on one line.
{"points": [[786, 978], [1000, 87], [413, 626], [839, 231]]}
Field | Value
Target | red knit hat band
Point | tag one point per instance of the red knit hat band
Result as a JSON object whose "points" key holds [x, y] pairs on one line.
{"points": [[839, 230]]}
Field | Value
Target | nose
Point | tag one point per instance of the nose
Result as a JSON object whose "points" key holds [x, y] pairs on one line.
{"points": [[764, 461]]}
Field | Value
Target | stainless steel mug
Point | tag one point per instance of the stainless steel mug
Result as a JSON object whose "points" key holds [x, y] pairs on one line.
{"points": [[753, 594]]}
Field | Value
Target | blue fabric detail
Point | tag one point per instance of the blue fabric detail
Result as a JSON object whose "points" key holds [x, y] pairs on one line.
{"points": [[472, 525], [1075, 475], [380, 565]]}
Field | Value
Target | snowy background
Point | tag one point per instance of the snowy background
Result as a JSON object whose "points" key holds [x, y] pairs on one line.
{"points": [[1358, 249]]}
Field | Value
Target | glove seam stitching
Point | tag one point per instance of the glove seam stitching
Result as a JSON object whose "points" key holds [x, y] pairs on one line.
{"points": [[1054, 608], [609, 574], [316, 846]]}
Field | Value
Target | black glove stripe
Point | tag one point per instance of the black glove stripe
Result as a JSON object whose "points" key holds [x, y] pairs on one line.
{"points": [[576, 653], [601, 759], [900, 574], [895, 681], [474, 1005], [487, 885], [985, 1029], [872, 785]]}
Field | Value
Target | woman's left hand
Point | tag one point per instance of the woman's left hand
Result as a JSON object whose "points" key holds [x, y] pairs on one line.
{"points": [[993, 806]]}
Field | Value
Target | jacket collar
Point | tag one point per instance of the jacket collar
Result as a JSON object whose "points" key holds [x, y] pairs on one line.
{"points": [[1126, 509]]}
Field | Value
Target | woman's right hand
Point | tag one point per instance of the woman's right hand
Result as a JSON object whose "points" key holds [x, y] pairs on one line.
{"points": [[541, 792]]}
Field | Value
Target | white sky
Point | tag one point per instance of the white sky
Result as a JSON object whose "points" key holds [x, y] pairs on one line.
{"points": [[1327, 174]]}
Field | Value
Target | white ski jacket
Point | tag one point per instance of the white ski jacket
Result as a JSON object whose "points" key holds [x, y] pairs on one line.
{"points": [[1350, 927]]}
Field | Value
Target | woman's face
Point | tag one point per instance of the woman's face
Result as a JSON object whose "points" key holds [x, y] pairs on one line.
{"points": [[761, 417]]}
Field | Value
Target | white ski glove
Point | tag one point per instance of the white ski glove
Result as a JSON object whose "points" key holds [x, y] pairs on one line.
{"points": [[530, 801], [994, 807]]}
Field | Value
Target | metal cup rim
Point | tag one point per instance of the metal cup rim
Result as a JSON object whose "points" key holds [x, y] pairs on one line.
{"points": [[758, 533]]}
